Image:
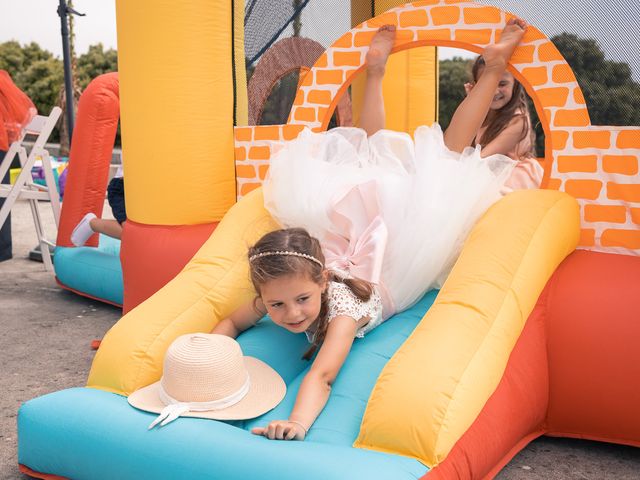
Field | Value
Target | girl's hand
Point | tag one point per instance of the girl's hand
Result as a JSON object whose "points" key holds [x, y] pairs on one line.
{"points": [[282, 430], [468, 87]]}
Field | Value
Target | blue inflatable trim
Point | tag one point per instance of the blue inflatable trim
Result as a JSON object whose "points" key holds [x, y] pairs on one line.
{"points": [[84, 433], [94, 271]]}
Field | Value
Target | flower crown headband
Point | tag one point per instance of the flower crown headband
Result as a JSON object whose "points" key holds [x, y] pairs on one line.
{"points": [[286, 252]]}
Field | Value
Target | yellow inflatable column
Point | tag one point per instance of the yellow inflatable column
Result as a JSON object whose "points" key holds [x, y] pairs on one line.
{"points": [[177, 108], [410, 84]]}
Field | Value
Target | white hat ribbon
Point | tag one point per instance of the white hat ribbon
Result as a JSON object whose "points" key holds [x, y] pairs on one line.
{"points": [[174, 408], [170, 413]]}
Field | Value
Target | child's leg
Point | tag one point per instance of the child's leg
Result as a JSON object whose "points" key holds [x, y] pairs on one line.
{"points": [[372, 116], [470, 114], [83, 231], [110, 228]]}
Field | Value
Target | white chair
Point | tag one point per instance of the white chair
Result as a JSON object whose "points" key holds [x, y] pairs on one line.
{"points": [[24, 186]]}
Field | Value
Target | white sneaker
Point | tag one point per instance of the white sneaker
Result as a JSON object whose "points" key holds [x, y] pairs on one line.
{"points": [[83, 231]]}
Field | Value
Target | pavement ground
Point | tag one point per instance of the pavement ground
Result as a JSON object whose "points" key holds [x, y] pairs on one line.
{"points": [[45, 337]]}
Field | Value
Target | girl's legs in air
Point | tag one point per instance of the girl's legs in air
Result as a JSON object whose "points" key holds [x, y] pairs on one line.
{"points": [[470, 114], [372, 116]]}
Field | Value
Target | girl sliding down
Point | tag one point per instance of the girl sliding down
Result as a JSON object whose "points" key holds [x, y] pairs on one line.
{"points": [[391, 214], [298, 293]]}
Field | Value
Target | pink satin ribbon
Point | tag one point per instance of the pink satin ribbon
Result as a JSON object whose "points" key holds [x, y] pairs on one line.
{"points": [[356, 244]]}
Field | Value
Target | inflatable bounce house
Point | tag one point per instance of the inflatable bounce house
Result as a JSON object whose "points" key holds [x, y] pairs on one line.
{"points": [[533, 333]]}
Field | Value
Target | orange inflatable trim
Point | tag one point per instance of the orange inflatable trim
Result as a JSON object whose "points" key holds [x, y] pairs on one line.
{"points": [[90, 156], [34, 474], [16, 111]]}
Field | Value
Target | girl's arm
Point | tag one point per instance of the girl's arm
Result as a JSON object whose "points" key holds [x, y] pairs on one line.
{"points": [[316, 385], [243, 318], [470, 114], [507, 141]]}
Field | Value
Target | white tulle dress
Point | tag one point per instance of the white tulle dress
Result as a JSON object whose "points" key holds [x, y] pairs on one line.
{"points": [[427, 198]]}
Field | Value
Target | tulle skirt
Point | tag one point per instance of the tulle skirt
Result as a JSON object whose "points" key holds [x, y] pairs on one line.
{"points": [[429, 197]]}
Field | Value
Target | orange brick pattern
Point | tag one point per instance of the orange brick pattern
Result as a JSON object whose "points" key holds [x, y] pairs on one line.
{"points": [[253, 151], [598, 165]]}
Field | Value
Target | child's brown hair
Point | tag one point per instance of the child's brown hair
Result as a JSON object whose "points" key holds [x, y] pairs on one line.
{"points": [[303, 251], [516, 107]]}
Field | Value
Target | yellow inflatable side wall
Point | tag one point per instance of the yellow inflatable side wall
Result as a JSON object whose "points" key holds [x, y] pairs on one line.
{"points": [[177, 101], [435, 386], [210, 287]]}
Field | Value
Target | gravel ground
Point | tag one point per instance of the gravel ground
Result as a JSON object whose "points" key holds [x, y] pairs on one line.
{"points": [[45, 337]]}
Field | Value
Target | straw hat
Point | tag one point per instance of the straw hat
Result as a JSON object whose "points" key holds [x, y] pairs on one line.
{"points": [[206, 376]]}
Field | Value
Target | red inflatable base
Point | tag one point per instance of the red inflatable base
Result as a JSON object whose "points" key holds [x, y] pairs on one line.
{"points": [[34, 474], [573, 371], [152, 255]]}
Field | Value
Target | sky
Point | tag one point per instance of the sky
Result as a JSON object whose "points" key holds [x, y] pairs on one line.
{"points": [[614, 23], [38, 21]]}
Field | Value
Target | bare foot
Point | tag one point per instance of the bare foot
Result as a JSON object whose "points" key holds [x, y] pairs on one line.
{"points": [[497, 55], [379, 50]]}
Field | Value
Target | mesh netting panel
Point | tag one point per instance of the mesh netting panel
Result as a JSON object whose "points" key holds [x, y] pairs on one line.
{"points": [[600, 41], [267, 22]]}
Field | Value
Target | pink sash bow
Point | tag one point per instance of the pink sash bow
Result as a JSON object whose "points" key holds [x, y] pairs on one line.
{"points": [[356, 244]]}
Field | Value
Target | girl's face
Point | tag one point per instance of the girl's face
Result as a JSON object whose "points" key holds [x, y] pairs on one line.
{"points": [[292, 301], [504, 92]]}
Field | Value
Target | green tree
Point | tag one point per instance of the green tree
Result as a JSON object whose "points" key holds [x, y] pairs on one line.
{"points": [[15, 58], [41, 76], [454, 74], [33, 53], [11, 57], [612, 96], [97, 61], [94, 63], [41, 81], [34, 70]]}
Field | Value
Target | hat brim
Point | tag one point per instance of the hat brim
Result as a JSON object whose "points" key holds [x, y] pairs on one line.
{"points": [[267, 390]]}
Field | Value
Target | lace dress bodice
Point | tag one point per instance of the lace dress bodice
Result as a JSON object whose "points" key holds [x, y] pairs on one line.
{"points": [[342, 301]]}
